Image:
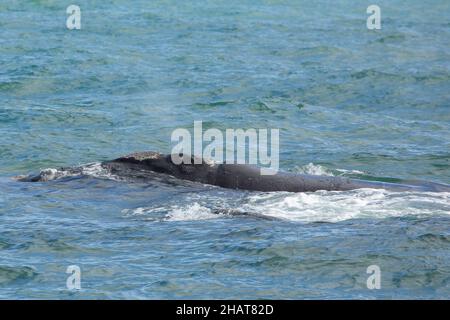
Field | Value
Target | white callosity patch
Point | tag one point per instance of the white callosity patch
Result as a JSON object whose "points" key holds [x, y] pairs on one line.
{"points": [[98, 171], [94, 169], [52, 174]]}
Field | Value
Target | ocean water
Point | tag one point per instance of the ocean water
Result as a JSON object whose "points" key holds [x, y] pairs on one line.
{"points": [[371, 104]]}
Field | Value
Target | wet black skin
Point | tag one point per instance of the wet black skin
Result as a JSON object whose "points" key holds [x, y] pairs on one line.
{"points": [[246, 177]]}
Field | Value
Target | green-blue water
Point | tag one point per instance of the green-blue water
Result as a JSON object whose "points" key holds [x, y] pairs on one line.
{"points": [[348, 101]]}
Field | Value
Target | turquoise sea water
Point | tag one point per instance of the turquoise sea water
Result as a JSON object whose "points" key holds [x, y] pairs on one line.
{"points": [[348, 101]]}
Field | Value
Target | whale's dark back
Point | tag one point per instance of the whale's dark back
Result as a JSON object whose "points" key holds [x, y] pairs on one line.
{"points": [[246, 177]]}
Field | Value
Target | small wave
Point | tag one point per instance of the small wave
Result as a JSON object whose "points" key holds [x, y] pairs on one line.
{"points": [[14, 274], [319, 170], [194, 211], [350, 172]]}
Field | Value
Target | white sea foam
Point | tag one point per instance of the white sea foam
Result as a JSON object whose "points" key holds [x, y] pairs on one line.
{"points": [[192, 211], [314, 169], [319, 170], [345, 171], [334, 206], [320, 206]]}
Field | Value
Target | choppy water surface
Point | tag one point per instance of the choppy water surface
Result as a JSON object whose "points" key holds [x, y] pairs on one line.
{"points": [[348, 101]]}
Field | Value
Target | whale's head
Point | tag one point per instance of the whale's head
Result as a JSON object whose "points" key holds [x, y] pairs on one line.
{"points": [[179, 165]]}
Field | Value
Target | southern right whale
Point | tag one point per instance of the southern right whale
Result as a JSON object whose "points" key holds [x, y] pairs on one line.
{"points": [[143, 165], [247, 177]]}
